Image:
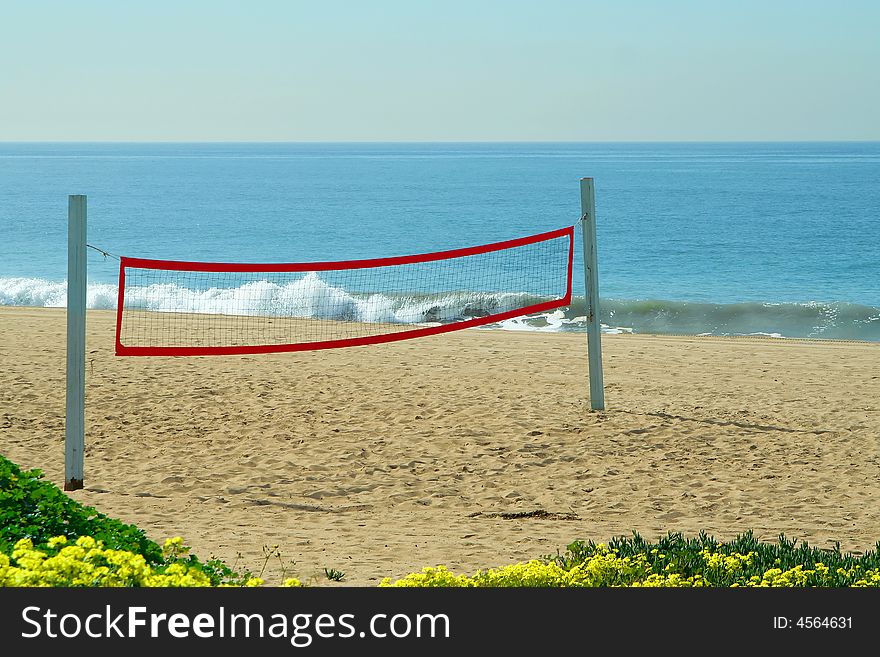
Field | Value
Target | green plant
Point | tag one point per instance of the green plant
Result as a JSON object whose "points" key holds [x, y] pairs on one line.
{"points": [[722, 564], [88, 563], [673, 561], [38, 510], [333, 574]]}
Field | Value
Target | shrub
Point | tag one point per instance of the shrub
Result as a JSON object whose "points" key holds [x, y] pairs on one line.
{"points": [[674, 561], [38, 511], [38, 517], [88, 563]]}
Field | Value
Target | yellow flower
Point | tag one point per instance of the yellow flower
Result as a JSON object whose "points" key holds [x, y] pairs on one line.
{"points": [[87, 542]]}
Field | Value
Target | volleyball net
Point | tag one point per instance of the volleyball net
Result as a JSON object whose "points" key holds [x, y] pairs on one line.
{"points": [[176, 308]]}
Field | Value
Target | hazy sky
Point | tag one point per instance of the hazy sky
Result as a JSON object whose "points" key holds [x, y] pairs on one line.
{"points": [[388, 70]]}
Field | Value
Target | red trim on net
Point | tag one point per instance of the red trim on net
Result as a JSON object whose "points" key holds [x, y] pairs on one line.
{"points": [[120, 303], [570, 265], [122, 350], [181, 265]]}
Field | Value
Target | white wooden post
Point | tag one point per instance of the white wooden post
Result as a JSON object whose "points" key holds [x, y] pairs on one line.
{"points": [[74, 428], [591, 281]]}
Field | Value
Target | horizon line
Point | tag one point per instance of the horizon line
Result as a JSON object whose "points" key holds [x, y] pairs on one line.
{"points": [[435, 141]]}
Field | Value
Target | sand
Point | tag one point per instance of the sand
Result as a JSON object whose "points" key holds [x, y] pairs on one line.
{"points": [[472, 449]]}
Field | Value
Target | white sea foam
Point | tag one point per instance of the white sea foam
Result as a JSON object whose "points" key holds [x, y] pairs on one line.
{"points": [[32, 292], [312, 296], [52, 294], [308, 296]]}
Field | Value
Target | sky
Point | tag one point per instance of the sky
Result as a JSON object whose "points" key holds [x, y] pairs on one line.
{"points": [[444, 70]]}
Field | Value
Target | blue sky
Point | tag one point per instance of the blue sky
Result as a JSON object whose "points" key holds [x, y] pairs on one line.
{"points": [[450, 70]]}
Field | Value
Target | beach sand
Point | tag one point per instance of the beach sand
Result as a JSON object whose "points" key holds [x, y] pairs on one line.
{"points": [[473, 449]]}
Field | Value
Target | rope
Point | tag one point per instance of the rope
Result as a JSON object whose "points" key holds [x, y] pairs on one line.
{"points": [[104, 253]]}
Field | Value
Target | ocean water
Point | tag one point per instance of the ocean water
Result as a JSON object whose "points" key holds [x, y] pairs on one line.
{"points": [[695, 238]]}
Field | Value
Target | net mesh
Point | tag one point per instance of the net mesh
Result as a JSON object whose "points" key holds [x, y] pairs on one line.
{"points": [[178, 308]]}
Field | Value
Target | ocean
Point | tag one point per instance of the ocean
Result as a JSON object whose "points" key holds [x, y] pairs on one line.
{"points": [[779, 239]]}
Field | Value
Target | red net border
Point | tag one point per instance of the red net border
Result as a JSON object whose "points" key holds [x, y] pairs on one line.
{"points": [[180, 265]]}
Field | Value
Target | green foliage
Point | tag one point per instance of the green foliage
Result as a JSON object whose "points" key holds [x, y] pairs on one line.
{"points": [[727, 566], [87, 563], [39, 510], [218, 572], [221, 574], [333, 574]]}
